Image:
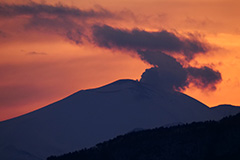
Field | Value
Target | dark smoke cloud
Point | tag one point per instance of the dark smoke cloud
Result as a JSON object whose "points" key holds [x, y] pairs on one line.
{"points": [[168, 74], [109, 37], [204, 77]]}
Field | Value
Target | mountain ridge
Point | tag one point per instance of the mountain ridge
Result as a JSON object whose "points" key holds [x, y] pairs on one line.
{"points": [[88, 117]]}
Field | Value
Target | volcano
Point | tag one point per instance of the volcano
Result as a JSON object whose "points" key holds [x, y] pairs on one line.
{"points": [[88, 117]]}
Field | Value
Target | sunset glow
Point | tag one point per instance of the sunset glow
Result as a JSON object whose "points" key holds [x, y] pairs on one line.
{"points": [[51, 49]]}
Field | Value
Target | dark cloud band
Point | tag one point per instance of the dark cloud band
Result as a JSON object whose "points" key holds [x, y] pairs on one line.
{"points": [[109, 37], [33, 9]]}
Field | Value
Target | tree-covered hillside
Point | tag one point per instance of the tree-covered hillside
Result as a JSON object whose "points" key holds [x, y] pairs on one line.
{"points": [[196, 141]]}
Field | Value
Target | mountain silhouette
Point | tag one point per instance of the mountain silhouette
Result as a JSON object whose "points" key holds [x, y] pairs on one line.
{"points": [[88, 117]]}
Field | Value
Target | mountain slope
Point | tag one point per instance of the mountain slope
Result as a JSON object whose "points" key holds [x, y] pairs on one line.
{"points": [[91, 116], [203, 140]]}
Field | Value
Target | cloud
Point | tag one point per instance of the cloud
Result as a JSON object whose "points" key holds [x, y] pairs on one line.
{"points": [[136, 39], [63, 26], [36, 53], [168, 74], [68, 22], [34, 9], [204, 77], [155, 48], [75, 25], [201, 22]]}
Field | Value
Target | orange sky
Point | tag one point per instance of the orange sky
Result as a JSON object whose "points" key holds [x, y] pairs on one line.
{"points": [[39, 65]]}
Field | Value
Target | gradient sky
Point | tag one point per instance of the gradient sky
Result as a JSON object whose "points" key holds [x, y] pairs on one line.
{"points": [[50, 49]]}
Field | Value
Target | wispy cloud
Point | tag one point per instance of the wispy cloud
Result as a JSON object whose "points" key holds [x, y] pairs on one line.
{"points": [[68, 22], [36, 9], [36, 53]]}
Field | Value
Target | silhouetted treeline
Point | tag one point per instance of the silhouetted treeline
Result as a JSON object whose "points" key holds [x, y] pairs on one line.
{"points": [[196, 141]]}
